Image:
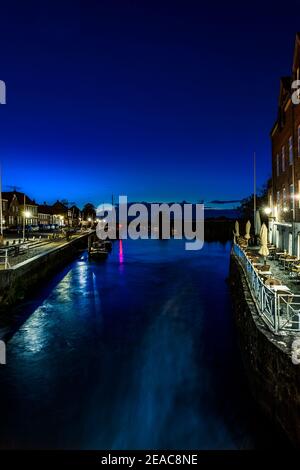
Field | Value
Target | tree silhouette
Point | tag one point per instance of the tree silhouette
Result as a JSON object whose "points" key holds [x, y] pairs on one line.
{"points": [[89, 211]]}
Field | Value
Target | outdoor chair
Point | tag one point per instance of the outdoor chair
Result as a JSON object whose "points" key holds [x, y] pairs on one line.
{"points": [[264, 267], [295, 272], [272, 282]]}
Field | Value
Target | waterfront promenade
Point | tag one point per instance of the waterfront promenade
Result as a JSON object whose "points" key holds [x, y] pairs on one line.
{"points": [[18, 252], [36, 263]]}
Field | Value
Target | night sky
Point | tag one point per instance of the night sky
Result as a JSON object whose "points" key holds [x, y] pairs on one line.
{"points": [[156, 100]]}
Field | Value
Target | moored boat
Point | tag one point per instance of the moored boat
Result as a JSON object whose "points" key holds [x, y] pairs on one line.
{"points": [[98, 251], [107, 244]]}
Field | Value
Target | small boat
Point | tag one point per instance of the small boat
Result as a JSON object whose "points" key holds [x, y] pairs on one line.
{"points": [[107, 244], [98, 251]]}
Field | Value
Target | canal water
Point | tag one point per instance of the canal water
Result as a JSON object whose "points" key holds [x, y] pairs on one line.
{"points": [[135, 352]]}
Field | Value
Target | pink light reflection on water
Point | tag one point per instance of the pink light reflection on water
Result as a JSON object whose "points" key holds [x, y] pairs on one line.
{"points": [[121, 257]]}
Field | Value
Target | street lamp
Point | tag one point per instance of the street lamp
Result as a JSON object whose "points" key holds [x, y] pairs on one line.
{"points": [[27, 215], [267, 210]]}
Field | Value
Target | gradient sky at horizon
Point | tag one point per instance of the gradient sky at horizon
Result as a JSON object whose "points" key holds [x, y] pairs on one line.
{"points": [[161, 101]]}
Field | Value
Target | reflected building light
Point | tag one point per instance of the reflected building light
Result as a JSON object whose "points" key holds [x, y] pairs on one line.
{"points": [[121, 257], [82, 275]]}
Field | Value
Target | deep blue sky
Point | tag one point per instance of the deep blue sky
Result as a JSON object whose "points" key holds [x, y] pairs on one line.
{"points": [[157, 100]]}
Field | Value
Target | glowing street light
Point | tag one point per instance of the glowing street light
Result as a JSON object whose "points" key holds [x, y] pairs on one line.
{"points": [[267, 210], [26, 215]]}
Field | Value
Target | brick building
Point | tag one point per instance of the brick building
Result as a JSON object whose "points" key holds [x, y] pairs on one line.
{"points": [[62, 214], [14, 209], [45, 215], [284, 195]]}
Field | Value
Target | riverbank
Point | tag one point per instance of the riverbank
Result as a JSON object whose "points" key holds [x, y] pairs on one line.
{"points": [[19, 280], [273, 378]]}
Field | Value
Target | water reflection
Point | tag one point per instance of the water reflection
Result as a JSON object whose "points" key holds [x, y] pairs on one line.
{"points": [[121, 257], [139, 358]]}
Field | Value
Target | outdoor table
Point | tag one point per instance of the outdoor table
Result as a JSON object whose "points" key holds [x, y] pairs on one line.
{"points": [[266, 273], [281, 288], [282, 259], [288, 260]]}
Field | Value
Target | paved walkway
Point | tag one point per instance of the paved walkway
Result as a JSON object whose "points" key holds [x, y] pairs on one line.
{"points": [[35, 247]]}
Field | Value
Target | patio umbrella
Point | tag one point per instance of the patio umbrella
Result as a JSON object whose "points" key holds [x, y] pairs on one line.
{"points": [[248, 226], [237, 229], [264, 251], [257, 227]]}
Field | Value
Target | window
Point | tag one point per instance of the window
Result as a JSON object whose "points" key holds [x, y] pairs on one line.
{"points": [[283, 158], [277, 164], [291, 150], [292, 199], [284, 198], [298, 194], [278, 199]]}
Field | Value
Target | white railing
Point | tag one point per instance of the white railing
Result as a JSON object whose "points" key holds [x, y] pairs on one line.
{"points": [[281, 312], [4, 259]]}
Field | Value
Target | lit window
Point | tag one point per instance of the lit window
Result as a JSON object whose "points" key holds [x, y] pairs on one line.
{"points": [[284, 198], [292, 199], [291, 150], [283, 158]]}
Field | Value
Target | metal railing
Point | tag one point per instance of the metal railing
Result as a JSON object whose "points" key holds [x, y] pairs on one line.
{"points": [[280, 311], [11, 254], [4, 259]]}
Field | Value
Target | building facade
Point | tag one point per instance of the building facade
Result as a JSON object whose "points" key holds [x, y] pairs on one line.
{"points": [[14, 210], [76, 216], [284, 195], [62, 214], [15, 206], [45, 215]]}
